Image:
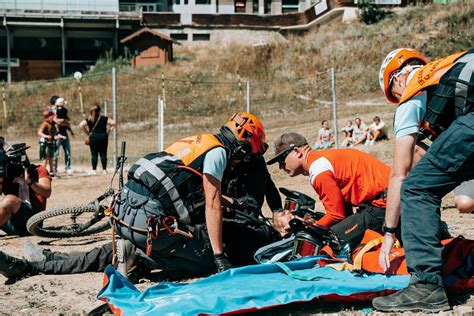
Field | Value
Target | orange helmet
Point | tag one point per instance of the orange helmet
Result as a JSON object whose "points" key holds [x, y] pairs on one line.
{"points": [[247, 128], [394, 61]]}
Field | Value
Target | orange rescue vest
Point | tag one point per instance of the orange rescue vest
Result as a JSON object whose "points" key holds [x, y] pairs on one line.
{"points": [[191, 150], [440, 108]]}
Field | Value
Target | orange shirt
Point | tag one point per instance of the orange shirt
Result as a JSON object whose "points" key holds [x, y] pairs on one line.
{"points": [[343, 177]]}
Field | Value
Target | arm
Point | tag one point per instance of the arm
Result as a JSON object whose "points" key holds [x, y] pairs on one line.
{"points": [[83, 126], [402, 162], [331, 196], [112, 124], [272, 195], [212, 190], [42, 134], [62, 121], [42, 187]]}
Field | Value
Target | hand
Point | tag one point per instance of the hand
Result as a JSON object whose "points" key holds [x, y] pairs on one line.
{"points": [[221, 262], [281, 222], [27, 177], [387, 245], [245, 203]]}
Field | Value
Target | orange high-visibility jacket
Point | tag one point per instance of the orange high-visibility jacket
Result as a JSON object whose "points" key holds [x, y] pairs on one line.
{"points": [[343, 177]]}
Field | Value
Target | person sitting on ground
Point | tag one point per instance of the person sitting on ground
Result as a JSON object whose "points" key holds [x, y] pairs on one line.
{"points": [[325, 137], [25, 194], [47, 132], [343, 179], [377, 131], [347, 132], [359, 134], [63, 123]]}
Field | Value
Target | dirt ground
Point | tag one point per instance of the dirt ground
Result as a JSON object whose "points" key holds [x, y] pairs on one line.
{"points": [[76, 294]]}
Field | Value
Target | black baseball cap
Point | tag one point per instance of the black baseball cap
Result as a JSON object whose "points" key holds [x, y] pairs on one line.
{"points": [[285, 142]]}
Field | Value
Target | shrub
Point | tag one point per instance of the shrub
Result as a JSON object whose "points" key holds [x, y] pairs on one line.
{"points": [[371, 13]]}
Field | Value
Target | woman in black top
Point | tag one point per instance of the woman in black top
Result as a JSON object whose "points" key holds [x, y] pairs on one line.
{"points": [[95, 127]]}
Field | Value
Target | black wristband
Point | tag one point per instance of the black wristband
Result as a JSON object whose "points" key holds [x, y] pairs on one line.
{"points": [[390, 230]]}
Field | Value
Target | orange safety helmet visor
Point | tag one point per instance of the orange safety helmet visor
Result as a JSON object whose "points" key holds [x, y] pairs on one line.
{"points": [[247, 127], [394, 61]]}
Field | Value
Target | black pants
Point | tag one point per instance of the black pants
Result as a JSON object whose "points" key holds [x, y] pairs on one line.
{"points": [[242, 236], [98, 146], [448, 162], [352, 229], [77, 262]]}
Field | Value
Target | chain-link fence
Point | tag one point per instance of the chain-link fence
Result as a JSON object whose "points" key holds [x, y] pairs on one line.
{"points": [[190, 105]]}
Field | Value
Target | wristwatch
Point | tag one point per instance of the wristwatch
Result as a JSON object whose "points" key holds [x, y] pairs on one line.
{"points": [[391, 230]]}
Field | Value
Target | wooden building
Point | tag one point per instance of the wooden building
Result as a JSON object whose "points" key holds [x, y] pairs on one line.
{"points": [[149, 48]]}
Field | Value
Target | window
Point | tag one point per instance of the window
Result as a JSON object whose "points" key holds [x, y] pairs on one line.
{"points": [[201, 37], [267, 6], [255, 6], [179, 36], [288, 6], [203, 1]]}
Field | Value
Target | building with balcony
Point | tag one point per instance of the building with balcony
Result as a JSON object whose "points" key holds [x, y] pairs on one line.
{"points": [[49, 38]]}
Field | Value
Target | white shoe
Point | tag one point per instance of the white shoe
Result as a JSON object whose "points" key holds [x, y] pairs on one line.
{"points": [[104, 171], [92, 172], [69, 171], [34, 252], [125, 257]]}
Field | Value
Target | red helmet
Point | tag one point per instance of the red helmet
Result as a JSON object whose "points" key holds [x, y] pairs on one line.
{"points": [[246, 127], [394, 61]]}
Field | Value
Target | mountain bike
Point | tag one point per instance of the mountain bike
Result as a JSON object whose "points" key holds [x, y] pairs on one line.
{"points": [[78, 220]]}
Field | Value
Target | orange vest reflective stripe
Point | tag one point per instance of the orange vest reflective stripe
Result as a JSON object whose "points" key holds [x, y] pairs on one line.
{"points": [[189, 149], [428, 75]]}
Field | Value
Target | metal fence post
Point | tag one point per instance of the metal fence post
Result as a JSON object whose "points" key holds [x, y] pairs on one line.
{"points": [[334, 107], [248, 96], [158, 127], [162, 125], [114, 112], [4, 101], [105, 108]]}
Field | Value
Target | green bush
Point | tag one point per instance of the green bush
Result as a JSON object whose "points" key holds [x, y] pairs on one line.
{"points": [[371, 13]]}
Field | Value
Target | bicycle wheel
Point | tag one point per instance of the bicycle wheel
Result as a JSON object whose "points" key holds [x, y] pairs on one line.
{"points": [[69, 221]]}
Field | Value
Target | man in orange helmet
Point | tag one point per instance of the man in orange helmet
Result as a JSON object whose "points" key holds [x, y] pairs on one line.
{"points": [[435, 100], [181, 189]]}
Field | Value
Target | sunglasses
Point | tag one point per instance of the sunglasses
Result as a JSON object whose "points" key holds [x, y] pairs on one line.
{"points": [[281, 160]]}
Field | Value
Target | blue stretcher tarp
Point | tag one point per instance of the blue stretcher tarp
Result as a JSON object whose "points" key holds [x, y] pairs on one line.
{"points": [[243, 289]]}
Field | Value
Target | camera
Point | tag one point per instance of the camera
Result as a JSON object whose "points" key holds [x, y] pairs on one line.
{"points": [[13, 160]]}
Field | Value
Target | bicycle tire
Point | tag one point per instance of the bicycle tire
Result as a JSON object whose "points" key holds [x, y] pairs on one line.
{"points": [[35, 228]]}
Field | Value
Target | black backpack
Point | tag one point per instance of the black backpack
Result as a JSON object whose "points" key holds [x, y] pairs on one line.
{"points": [[159, 187]]}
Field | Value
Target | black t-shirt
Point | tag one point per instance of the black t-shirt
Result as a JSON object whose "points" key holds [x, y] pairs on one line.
{"points": [[100, 127], [254, 179]]}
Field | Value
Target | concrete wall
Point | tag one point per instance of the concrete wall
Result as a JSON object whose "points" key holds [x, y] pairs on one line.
{"points": [[227, 36], [61, 5]]}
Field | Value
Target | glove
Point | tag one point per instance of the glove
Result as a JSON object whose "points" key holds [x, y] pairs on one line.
{"points": [[245, 203], [221, 262]]}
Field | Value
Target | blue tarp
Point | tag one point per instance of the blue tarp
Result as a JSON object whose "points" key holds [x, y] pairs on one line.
{"points": [[256, 286]]}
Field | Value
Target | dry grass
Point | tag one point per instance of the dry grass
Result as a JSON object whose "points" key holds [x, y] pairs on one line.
{"points": [[202, 87]]}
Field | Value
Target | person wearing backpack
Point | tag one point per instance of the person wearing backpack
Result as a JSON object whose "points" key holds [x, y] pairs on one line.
{"points": [[168, 194], [433, 100], [246, 186]]}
